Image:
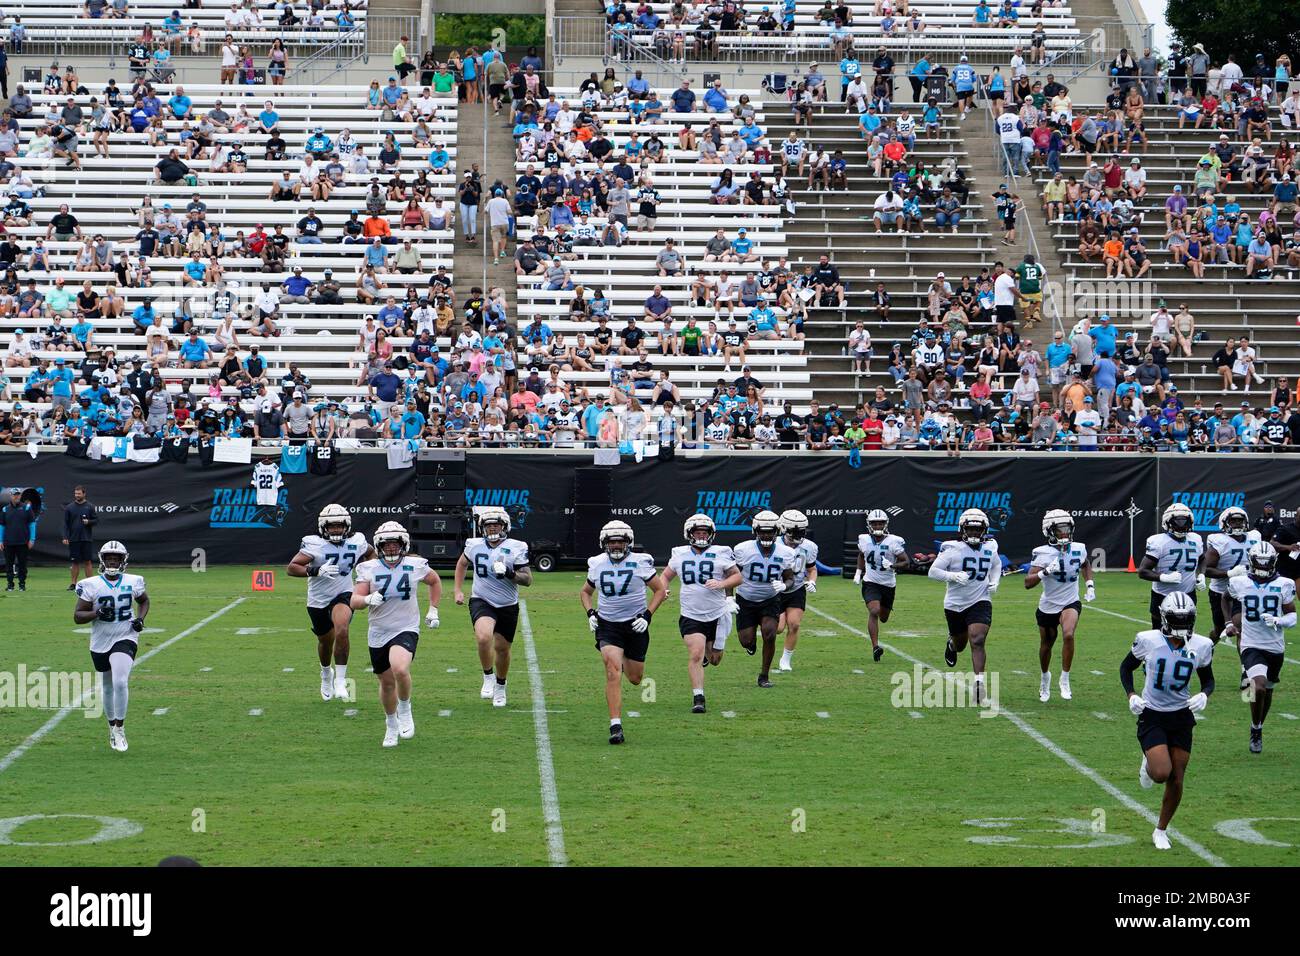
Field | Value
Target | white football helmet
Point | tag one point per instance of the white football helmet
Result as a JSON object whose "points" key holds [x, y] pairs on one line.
{"points": [[620, 532], [1178, 616], [1234, 522], [392, 533], [877, 523], [494, 516], [794, 524], [973, 527], [766, 526], [334, 516], [112, 568], [699, 531], [1177, 521], [1262, 561], [1058, 527]]}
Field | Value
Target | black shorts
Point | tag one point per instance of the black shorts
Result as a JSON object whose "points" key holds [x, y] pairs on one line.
{"points": [[796, 598], [496, 89], [80, 551], [322, 618], [878, 592], [1157, 599], [1220, 619], [1271, 661], [752, 613], [1173, 728], [505, 619], [124, 646], [691, 625], [1006, 313], [981, 612], [379, 655], [1051, 622], [620, 634]]}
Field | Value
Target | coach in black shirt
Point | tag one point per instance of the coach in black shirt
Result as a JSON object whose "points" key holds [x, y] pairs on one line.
{"points": [[79, 519], [1267, 524], [1287, 542]]}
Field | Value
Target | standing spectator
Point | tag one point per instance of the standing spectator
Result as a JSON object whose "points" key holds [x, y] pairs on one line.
{"points": [[79, 518], [17, 535]]}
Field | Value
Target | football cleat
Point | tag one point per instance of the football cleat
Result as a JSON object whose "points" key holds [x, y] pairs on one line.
{"points": [[877, 653], [121, 739], [750, 649], [341, 689], [615, 733], [697, 707], [1257, 740], [1045, 688], [326, 687], [489, 685], [1066, 693], [950, 654], [763, 681], [499, 695], [390, 736], [784, 666], [1161, 839], [1144, 778], [405, 725], [112, 737]]}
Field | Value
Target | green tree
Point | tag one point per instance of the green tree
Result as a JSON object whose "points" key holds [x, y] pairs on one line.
{"points": [[1240, 27], [462, 30]]}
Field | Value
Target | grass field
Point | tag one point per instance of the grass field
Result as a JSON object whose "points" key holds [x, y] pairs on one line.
{"points": [[247, 765]]}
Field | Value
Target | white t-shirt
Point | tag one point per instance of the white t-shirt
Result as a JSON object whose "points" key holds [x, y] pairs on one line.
{"points": [[1003, 287]]}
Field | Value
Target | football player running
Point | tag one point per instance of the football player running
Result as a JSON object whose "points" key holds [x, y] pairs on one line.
{"points": [[500, 565], [1265, 603], [389, 587], [1166, 706], [794, 599], [1225, 559], [972, 569], [620, 619], [327, 560], [1174, 560], [1059, 565], [767, 568], [106, 604], [707, 571], [880, 555]]}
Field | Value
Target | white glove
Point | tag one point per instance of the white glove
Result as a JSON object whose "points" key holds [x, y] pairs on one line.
{"points": [[778, 586], [375, 598], [591, 620], [1238, 571], [1170, 577], [1136, 704], [1090, 592], [731, 607], [640, 625], [1200, 582], [857, 576], [811, 587], [1054, 567], [1269, 620], [431, 619], [958, 577], [328, 571], [499, 568], [1197, 703]]}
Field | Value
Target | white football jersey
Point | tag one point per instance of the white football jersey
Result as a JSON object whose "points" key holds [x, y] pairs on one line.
{"points": [[805, 553], [321, 591], [1257, 599], [620, 584], [268, 482], [1061, 588], [400, 586], [695, 569], [1170, 554], [117, 597], [759, 570], [880, 557], [982, 564], [1169, 671], [497, 591], [1231, 553]]}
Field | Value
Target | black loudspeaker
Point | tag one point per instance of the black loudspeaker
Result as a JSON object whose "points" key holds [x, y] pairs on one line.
{"points": [[441, 551], [442, 520], [593, 486], [437, 524], [439, 481]]}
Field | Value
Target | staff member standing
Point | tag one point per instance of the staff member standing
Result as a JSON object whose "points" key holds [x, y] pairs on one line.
{"points": [[1287, 542], [18, 521], [79, 518]]}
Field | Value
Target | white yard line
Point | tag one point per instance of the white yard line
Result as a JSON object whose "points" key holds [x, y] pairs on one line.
{"points": [[1056, 750], [12, 757], [545, 766]]}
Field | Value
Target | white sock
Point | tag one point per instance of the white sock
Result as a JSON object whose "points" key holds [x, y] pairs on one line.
{"points": [[391, 721], [325, 672], [404, 707], [698, 691], [1046, 676], [340, 672], [1065, 676], [786, 655], [615, 721]]}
